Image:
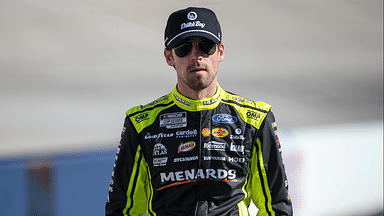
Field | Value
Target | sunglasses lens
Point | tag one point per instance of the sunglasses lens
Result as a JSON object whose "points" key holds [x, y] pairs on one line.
{"points": [[208, 47], [183, 49]]}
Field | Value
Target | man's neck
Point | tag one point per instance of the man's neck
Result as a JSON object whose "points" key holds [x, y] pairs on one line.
{"points": [[197, 94]]}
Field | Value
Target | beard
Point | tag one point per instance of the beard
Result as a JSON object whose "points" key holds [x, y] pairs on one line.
{"points": [[198, 81]]}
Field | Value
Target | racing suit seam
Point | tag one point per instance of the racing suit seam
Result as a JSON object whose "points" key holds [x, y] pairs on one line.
{"points": [[150, 108], [245, 106]]}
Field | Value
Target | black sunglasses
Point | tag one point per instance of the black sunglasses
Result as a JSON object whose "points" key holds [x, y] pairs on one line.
{"points": [[206, 46]]}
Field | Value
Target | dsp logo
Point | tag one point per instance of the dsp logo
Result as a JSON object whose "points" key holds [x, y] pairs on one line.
{"points": [[220, 132]]}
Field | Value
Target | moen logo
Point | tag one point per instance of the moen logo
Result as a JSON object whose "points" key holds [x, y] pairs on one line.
{"points": [[141, 117], [253, 115]]}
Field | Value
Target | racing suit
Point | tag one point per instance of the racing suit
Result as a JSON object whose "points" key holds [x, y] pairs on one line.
{"points": [[212, 156]]}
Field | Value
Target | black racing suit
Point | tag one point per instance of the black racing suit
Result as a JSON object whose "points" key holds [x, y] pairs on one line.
{"points": [[212, 156]]}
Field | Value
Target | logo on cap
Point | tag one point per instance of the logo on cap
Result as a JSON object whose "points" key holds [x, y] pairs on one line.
{"points": [[192, 15]]}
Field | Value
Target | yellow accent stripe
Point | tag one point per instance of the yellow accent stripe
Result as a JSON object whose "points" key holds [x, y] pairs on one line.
{"points": [[243, 209], [265, 181], [135, 193], [149, 191]]}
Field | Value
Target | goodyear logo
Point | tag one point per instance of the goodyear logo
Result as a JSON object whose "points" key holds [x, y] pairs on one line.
{"points": [[141, 117], [253, 115], [219, 132]]}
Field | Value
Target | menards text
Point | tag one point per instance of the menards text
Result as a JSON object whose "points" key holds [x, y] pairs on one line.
{"points": [[198, 174]]}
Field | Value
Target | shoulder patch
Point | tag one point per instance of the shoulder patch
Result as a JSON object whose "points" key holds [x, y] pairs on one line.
{"points": [[144, 115], [252, 112]]}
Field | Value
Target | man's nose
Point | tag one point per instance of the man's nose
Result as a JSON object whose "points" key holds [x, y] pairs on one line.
{"points": [[196, 53]]}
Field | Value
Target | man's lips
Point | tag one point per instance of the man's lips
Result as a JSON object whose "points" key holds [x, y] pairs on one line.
{"points": [[197, 69]]}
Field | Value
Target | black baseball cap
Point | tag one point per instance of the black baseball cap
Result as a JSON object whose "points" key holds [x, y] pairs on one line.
{"points": [[191, 22]]}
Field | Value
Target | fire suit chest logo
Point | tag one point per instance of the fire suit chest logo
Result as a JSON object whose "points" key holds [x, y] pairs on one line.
{"points": [[160, 161], [215, 146], [184, 147], [219, 132], [224, 118], [173, 120], [159, 149], [205, 132]]}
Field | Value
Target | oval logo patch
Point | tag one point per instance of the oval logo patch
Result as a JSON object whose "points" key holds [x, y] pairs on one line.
{"points": [[224, 118], [219, 132], [184, 147]]}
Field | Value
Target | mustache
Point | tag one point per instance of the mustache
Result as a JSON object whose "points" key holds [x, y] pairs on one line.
{"points": [[196, 66]]}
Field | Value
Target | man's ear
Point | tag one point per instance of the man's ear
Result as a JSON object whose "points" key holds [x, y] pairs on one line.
{"points": [[221, 52], [169, 57]]}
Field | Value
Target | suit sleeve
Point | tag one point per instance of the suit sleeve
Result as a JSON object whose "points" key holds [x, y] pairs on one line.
{"points": [[126, 195], [274, 167]]}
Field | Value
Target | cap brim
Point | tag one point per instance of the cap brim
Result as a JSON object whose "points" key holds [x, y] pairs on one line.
{"points": [[192, 33]]}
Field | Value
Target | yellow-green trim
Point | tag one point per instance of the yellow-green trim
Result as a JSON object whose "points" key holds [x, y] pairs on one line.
{"points": [[252, 112], [143, 116], [265, 181], [243, 209], [197, 105], [149, 192], [139, 197]]}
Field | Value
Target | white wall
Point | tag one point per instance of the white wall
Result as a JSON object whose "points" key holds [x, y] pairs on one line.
{"points": [[335, 169]]}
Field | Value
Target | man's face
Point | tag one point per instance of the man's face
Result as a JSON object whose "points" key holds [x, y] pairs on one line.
{"points": [[197, 69]]}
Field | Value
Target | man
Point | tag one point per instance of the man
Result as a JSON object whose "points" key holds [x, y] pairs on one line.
{"points": [[198, 150]]}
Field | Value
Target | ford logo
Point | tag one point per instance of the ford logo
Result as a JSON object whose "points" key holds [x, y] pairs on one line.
{"points": [[224, 118]]}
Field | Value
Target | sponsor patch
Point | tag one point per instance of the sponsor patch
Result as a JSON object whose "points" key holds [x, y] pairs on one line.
{"points": [[159, 149], [253, 115], [214, 158], [157, 136], [236, 159], [173, 120], [224, 118], [193, 174], [155, 102], [219, 132], [182, 101], [237, 148], [185, 147], [184, 159], [160, 161], [237, 137], [205, 132], [186, 134], [209, 102], [141, 117], [215, 146]]}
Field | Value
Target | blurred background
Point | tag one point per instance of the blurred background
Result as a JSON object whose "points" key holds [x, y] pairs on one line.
{"points": [[70, 69]]}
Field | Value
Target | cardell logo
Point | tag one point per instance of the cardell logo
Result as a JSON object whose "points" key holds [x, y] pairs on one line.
{"points": [[224, 118]]}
